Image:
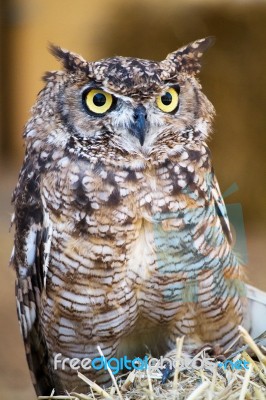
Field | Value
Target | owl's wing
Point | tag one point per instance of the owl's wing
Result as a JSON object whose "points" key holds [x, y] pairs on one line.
{"points": [[220, 208], [27, 259]]}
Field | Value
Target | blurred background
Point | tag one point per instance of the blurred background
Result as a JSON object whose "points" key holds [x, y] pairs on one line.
{"points": [[233, 77]]}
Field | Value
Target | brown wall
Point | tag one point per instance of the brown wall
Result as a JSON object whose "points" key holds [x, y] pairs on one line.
{"points": [[233, 77]]}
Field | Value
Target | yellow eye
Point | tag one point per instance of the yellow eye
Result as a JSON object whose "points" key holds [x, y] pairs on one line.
{"points": [[98, 101], [168, 102]]}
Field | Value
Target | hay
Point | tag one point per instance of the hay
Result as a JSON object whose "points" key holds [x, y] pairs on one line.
{"points": [[187, 383]]}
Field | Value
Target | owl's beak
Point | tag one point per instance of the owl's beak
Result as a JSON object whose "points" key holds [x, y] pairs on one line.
{"points": [[139, 126]]}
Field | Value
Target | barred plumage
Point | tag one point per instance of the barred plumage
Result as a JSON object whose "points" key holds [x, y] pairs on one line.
{"points": [[122, 238]]}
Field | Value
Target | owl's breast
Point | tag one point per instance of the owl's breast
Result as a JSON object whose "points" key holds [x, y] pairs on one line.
{"points": [[120, 231]]}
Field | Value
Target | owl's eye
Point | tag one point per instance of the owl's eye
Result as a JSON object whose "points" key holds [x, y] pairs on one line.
{"points": [[97, 101], [169, 101]]}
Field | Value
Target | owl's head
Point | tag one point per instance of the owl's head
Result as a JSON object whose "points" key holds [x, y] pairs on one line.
{"points": [[135, 106]]}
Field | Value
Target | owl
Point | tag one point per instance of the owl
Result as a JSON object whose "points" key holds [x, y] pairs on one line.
{"points": [[122, 239]]}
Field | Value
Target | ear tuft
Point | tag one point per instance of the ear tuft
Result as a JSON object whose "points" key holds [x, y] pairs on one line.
{"points": [[71, 61], [187, 58], [198, 47]]}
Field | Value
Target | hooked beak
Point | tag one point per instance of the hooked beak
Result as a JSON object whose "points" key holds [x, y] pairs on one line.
{"points": [[139, 126]]}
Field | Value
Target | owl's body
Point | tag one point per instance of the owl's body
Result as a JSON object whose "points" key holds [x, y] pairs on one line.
{"points": [[122, 238]]}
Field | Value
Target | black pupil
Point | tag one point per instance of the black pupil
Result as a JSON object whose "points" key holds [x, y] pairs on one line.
{"points": [[99, 99], [166, 99]]}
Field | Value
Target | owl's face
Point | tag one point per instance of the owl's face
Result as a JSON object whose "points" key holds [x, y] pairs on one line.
{"points": [[135, 106]]}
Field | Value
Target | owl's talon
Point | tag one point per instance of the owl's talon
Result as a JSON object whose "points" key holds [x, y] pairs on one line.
{"points": [[214, 351], [166, 372]]}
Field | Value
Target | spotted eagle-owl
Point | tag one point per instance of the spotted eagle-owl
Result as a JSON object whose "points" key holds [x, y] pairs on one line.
{"points": [[122, 238]]}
